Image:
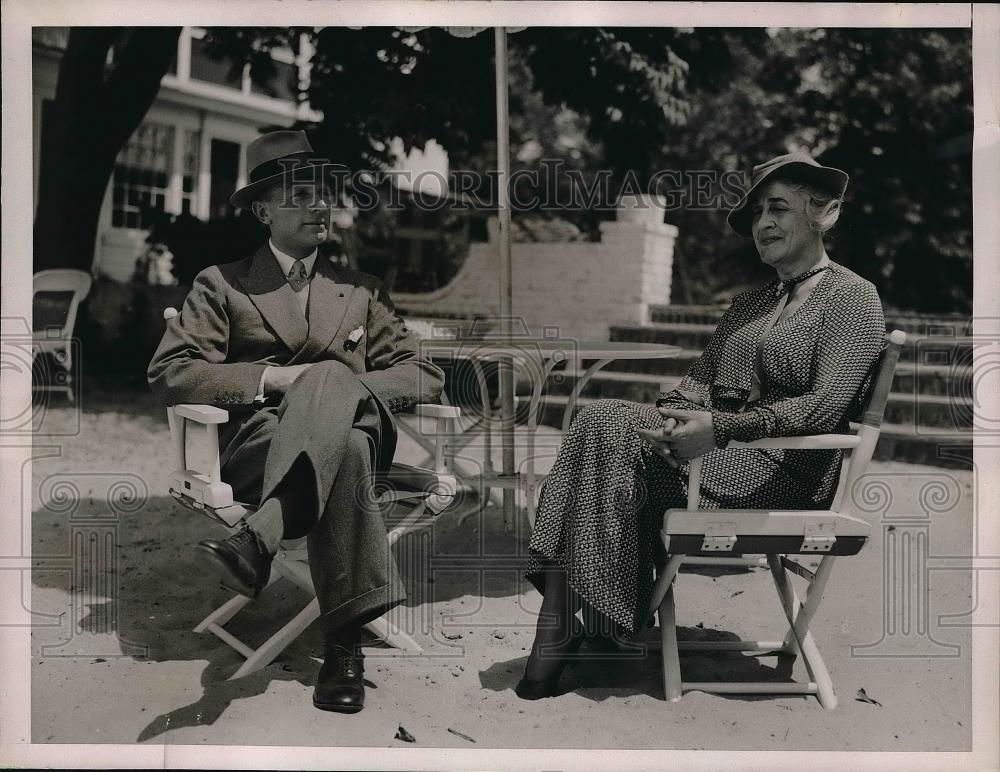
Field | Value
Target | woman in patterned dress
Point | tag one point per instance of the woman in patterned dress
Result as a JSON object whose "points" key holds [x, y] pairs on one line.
{"points": [[788, 358]]}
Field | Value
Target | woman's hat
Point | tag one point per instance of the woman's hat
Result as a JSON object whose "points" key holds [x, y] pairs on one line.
{"points": [[794, 167], [274, 156]]}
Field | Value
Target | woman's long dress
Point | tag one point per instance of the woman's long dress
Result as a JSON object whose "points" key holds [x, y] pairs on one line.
{"points": [[601, 506]]}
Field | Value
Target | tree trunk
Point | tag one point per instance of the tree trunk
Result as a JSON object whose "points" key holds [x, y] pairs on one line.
{"points": [[94, 113]]}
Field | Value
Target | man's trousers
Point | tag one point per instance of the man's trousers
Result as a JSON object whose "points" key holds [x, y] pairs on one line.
{"points": [[322, 447]]}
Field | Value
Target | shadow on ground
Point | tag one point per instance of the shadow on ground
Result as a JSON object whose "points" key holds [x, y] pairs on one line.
{"points": [[135, 578], [637, 670]]}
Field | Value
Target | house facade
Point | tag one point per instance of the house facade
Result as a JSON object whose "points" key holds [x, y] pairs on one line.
{"points": [[189, 153]]}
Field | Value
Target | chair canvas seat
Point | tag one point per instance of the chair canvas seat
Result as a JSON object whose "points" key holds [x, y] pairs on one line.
{"points": [[755, 532], [691, 545]]}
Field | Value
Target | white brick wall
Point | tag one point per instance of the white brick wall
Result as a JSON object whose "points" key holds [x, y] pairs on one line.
{"points": [[582, 288]]}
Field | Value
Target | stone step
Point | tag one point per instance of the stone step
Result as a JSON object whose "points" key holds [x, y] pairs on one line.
{"points": [[905, 442], [667, 314], [932, 412], [926, 349], [940, 380], [911, 377], [926, 377], [922, 324], [639, 379], [898, 441], [686, 335], [957, 326]]}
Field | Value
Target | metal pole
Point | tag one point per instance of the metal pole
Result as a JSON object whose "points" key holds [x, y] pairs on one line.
{"points": [[506, 281]]}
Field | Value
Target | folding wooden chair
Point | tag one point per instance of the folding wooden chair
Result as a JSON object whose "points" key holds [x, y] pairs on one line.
{"points": [[56, 297], [688, 533], [425, 491]]}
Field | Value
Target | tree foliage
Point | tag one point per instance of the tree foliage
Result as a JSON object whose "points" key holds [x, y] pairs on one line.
{"points": [[893, 107], [96, 109], [376, 83]]}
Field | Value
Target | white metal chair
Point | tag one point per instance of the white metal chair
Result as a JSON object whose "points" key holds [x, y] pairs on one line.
{"points": [[691, 534], [426, 491], [56, 297]]}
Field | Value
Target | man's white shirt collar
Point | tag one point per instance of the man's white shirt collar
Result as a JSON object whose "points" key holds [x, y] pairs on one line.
{"points": [[287, 261]]}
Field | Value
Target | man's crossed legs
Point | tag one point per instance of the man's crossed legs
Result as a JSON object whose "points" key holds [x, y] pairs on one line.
{"points": [[311, 463]]}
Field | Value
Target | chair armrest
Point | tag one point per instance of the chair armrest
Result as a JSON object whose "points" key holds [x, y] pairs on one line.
{"points": [[444, 418], [440, 488], [809, 442], [420, 478], [437, 411], [203, 414], [203, 488]]}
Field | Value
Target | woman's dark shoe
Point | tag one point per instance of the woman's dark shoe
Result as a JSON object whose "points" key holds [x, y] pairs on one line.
{"points": [[530, 689], [242, 561], [527, 689], [340, 684]]}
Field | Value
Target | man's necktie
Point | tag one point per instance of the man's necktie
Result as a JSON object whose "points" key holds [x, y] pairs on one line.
{"points": [[297, 277]]}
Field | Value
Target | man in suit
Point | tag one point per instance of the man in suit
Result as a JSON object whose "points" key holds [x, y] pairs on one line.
{"points": [[311, 360]]}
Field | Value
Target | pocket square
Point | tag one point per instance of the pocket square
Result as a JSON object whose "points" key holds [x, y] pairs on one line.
{"points": [[354, 338]]}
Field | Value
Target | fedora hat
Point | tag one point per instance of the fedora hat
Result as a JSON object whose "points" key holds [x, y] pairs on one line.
{"points": [[274, 156], [794, 167]]}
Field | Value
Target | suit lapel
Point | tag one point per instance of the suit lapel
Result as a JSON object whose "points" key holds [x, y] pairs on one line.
{"points": [[328, 303], [270, 292]]}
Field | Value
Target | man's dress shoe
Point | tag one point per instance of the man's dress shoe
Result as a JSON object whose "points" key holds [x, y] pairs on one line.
{"points": [[241, 560], [339, 685]]}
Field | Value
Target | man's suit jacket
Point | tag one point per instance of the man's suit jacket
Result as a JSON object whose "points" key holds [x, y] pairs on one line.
{"points": [[243, 316]]}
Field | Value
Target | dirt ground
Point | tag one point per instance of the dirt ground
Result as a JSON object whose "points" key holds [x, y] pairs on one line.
{"points": [[116, 595]]}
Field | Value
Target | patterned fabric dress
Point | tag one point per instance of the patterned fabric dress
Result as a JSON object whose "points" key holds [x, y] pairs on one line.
{"points": [[601, 506]]}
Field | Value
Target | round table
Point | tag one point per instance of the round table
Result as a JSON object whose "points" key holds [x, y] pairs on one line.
{"points": [[534, 358]]}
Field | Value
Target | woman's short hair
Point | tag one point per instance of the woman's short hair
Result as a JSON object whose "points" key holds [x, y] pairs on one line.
{"points": [[822, 207]]}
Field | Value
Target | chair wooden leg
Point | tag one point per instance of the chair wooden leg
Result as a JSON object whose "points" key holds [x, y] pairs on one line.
{"points": [[229, 609], [813, 597], [663, 581], [672, 686], [408, 524], [273, 646], [294, 570], [817, 669], [392, 635], [223, 613], [804, 640], [789, 603], [290, 564], [813, 659]]}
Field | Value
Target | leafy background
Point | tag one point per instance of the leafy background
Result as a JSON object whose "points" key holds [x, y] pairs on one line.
{"points": [[893, 107]]}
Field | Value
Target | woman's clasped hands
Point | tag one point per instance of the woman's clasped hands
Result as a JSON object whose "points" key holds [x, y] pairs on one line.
{"points": [[686, 434]]}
